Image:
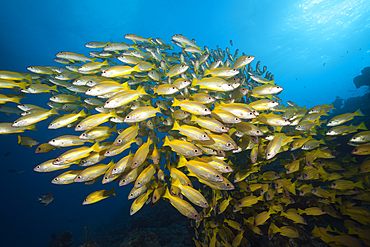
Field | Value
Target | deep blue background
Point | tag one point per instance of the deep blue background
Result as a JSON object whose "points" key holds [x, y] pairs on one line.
{"points": [[314, 49]]}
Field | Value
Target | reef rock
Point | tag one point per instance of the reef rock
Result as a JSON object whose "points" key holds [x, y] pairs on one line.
{"points": [[363, 79], [64, 239], [141, 238]]}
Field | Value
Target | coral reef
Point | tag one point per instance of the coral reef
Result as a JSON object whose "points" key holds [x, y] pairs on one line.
{"points": [[64, 239], [363, 79], [148, 227]]}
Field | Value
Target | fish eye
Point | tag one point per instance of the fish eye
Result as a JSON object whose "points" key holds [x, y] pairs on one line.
{"points": [[195, 215], [217, 176], [222, 127], [333, 184], [227, 167], [107, 102], [228, 144], [204, 136], [257, 131], [228, 185], [79, 126], [206, 109], [83, 134], [196, 150], [304, 175], [38, 149], [37, 166], [154, 197], [78, 177], [57, 159], [355, 150], [127, 117], [173, 88], [119, 141], [56, 179], [313, 190], [108, 152], [268, 154]]}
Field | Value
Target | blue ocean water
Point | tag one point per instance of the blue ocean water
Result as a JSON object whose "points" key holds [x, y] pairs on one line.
{"points": [[314, 49]]}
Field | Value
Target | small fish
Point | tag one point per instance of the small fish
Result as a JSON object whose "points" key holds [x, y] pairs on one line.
{"points": [[27, 141], [337, 120], [97, 196], [45, 199]]}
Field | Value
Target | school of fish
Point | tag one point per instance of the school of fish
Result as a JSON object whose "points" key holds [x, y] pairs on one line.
{"points": [[203, 130]]}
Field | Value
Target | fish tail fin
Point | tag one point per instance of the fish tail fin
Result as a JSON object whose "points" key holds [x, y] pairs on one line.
{"points": [[78, 98], [54, 88], [19, 139], [166, 141], [82, 113], [113, 113], [175, 125], [114, 129], [22, 85], [150, 40], [28, 78], [332, 107], [176, 182], [137, 67], [150, 142], [16, 100], [359, 185], [272, 82], [141, 90], [175, 102], [193, 118], [300, 211], [274, 228], [362, 126], [31, 127], [54, 112], [339, 200], [105, 62], [95, 147], [182, 161], [206, 72], [125, 86], [167, 194], [112, 192], [195, 81], [359, 113], [324, 113]]}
